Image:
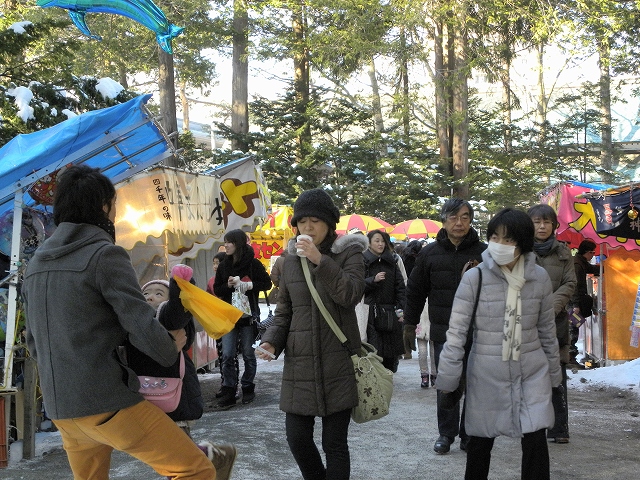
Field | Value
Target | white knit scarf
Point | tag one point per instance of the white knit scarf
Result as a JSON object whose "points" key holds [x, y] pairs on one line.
{"points": [[512, 333]]}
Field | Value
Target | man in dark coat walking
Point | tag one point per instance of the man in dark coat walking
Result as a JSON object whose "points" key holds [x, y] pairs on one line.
{"points": [[436, 275]]}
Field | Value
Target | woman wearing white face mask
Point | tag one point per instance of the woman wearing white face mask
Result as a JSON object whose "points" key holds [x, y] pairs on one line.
{"points": [[514, 362]]}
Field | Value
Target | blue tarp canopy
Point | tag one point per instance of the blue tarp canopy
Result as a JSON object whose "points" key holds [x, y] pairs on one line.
{"points": [[120, 140]]}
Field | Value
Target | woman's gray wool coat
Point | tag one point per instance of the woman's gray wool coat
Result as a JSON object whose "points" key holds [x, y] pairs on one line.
{"points": [[318, 378], [503, 397]]}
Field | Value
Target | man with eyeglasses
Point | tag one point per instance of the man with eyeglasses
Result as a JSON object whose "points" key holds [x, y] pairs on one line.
{"points": [[437, 272]]}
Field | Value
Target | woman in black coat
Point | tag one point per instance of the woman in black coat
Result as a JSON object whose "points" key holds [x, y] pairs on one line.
{"points": [[385, 295], [241, 271]]}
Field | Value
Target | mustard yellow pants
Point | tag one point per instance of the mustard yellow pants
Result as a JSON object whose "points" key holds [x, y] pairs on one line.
{"points": [[144, 432]]}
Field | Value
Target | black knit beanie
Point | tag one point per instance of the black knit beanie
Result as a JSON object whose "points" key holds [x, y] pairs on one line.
{"points": [[316, 203]]}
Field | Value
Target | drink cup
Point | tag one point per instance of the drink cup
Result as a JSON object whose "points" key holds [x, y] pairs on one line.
{"points": [[299, 251]]}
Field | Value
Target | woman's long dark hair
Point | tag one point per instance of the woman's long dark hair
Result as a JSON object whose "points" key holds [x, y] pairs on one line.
{"points": [[239, 239]]}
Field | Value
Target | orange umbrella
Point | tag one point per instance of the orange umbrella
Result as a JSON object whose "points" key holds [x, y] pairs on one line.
{"points": [[364, 223], [418, 228]]}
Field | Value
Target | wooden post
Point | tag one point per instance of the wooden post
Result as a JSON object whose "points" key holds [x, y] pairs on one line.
{"points": [[4, 440], [30, 408]]}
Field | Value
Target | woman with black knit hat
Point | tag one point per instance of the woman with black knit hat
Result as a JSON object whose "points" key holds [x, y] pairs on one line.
{"points": [[318, 379]]}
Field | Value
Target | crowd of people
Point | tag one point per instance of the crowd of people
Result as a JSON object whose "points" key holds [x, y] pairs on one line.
{"points": [[489, 320]]}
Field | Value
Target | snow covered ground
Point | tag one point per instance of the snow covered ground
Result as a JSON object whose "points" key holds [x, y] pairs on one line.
{"points": [[625, 376]]}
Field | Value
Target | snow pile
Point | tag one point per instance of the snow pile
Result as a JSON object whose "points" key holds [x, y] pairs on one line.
{"points": [[625, 376], [45, 442], [109, 88], [18, 27]]}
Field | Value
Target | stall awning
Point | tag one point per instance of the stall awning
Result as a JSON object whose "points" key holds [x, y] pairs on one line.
{"points": [[577, 217], [120, 140], [185, 208], [617, 211]]}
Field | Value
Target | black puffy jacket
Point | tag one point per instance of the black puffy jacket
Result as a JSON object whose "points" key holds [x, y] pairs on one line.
{"points": [[437, 274]]}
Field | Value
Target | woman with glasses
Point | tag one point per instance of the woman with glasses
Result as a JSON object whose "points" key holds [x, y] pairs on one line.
{"points": [[555, 257]]}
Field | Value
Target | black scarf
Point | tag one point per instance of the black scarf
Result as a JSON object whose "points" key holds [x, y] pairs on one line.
{"points": [[108, 226]]}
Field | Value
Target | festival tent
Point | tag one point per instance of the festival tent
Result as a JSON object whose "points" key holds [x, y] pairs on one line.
{"points": [[167, 216], [174, 209], [417, 228], [576, 216], [610, 334], [363, 223], [616, 215]]}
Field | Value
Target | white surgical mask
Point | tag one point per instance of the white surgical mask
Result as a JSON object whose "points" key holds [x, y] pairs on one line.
{"points": [[502, 254]]}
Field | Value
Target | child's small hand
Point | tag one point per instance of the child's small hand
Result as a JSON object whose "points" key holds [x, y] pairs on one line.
{"points": [[183, 271]]}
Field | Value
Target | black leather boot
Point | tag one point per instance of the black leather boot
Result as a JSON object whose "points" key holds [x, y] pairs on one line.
{"points": [[228, 398], [248, 393]]}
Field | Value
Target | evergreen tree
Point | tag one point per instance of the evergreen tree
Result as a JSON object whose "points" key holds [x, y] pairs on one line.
{"points": [[34, 68]]}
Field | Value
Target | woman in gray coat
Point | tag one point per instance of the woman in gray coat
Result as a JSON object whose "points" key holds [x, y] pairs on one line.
{"points": [[513, 362], [555, 257], [318, 378]]}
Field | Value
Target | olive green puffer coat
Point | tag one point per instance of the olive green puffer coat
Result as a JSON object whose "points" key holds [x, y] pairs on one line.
{"points": [[318, 377], [558, 263]]}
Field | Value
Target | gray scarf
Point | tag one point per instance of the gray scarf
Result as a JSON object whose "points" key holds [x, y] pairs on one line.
{"points": [[543, 248]]}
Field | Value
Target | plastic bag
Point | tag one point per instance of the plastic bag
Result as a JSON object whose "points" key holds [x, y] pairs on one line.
{"points": [[216, 316], [241, 302]]}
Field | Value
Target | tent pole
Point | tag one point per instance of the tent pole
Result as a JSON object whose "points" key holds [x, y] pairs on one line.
{"points": [[166, 254], [12, 307], [601, 310]]}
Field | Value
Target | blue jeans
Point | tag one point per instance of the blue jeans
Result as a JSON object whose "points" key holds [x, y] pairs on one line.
{"points": [[229, 353], [335, 430]]}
